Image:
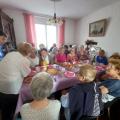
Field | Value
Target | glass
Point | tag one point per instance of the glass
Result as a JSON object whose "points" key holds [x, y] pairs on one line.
{"points": [[45, 63], [44, 69]]}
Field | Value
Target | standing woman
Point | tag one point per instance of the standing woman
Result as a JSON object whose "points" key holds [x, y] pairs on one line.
{"points": [[13, 68]]}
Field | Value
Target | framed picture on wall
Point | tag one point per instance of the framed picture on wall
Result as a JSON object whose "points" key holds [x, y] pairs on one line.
{"points": [[97, 28]]}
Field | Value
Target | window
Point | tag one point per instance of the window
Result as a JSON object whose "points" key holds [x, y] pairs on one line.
{"points": [[45, 34]]}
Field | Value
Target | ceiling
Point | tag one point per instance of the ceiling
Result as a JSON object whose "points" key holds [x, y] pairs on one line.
{"points": [[65, 8]]}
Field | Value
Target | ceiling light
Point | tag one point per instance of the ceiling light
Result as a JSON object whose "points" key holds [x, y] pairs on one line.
{"points": [[55, 19]]}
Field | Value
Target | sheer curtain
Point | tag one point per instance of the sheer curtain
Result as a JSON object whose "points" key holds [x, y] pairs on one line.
{"points": [[30, 28], [61, 34]]}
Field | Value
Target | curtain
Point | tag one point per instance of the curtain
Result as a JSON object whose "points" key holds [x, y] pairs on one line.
{"points": [[30, 28], [61, 34]]}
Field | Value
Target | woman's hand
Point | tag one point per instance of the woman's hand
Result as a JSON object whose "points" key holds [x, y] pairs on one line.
{"points": [[104, 90], [27, 80]]}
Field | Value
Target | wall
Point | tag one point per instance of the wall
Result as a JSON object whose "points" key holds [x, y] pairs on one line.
{"points": [[110, 42], [19, 25], [70, 26]]}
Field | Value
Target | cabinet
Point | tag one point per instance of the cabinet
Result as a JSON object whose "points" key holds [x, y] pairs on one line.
{"points": [[6, 25]]}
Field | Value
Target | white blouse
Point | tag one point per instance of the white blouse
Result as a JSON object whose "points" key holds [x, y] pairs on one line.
{"points": [[13, 68]]}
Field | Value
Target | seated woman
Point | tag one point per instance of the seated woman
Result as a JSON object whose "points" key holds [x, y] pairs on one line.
{"points": [[82, 54], [115, 56], [41, 108], [60, 56], [34, 59], [111, 86], [45, 58], [101, 59], [72, 57], [66, 50], [83, 99], [41, 46]]}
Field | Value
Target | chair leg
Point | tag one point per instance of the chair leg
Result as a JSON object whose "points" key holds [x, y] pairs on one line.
{"points": [[109, 113]]}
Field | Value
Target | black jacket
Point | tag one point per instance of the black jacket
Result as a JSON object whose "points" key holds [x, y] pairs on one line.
{"points": [[81, 100]]}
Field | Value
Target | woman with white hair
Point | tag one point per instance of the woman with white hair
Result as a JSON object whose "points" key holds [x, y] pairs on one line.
{"points": [[41, 108], [13, 68]]}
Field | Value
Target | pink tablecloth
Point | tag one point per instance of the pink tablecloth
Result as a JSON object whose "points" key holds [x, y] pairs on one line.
{"points": [[60, 82]]}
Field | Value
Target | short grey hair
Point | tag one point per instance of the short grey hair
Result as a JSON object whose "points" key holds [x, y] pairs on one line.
{"points": [[41, 85]]}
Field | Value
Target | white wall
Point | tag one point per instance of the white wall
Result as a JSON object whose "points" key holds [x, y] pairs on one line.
{"points": [[19, 25], [70, 26], [111, 41]]}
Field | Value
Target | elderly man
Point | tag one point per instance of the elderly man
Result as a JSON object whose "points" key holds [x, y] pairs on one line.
{"points": [[2, 41], [13, 68], [2, 37]]}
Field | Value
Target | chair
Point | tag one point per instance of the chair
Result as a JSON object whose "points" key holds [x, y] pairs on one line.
{"points": [[115, 109], [111, 110]]}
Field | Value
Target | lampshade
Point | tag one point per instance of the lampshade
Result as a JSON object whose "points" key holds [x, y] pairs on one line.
{"points": [[55, 19]]}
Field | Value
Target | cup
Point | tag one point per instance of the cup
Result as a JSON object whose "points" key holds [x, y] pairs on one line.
{"points": [[44, 68], [37, 69]]}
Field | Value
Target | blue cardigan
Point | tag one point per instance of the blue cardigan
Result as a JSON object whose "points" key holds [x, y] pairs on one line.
{"points": [[102, 60], [113, 86]]}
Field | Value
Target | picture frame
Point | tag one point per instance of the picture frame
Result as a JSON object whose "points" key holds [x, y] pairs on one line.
{"points": [[97, 28]]}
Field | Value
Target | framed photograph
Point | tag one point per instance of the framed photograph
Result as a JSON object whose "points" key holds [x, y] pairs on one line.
{"points": [[97, 28]]}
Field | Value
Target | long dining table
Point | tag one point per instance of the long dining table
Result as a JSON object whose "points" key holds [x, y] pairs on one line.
{"points": [[60, 82]]}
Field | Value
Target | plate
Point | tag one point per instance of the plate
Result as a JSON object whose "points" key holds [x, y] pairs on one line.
{"points": [[100, 68], [52, 71], [69, 74]]}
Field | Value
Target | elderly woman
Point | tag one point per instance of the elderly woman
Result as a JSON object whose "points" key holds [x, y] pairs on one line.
{"points": [[41, 108], [72, 56], [13, 68], [84, 98], [82, 54], [60, 56], [101, 59]]}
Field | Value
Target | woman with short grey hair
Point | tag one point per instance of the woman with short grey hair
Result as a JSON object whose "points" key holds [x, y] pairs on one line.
{"points": [[41, 108], [41, 86]]}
